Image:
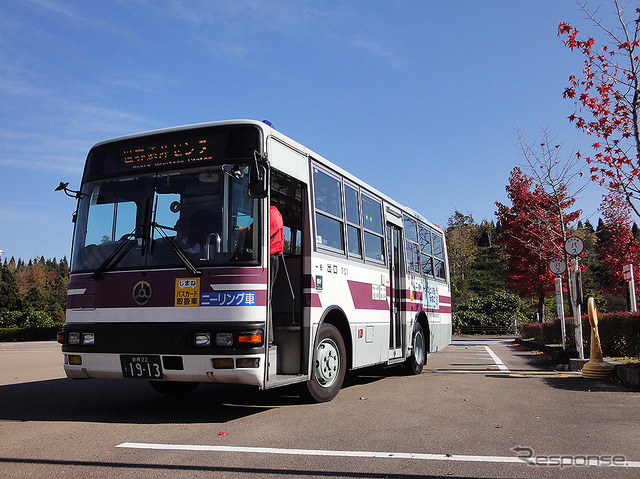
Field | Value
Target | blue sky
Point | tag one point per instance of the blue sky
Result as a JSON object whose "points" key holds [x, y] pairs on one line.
{"points": [[421, 99]]}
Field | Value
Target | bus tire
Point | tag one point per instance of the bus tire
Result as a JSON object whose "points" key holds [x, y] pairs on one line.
{"points": [[418, 358], [329, 365], [173, 388]]}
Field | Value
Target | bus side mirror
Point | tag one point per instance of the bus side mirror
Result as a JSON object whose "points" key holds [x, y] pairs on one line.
{"points": [[259, 179]]}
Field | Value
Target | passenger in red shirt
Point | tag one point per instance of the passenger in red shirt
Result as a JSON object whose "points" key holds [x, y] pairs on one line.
{"points": [[276, 230], [276, 247]]}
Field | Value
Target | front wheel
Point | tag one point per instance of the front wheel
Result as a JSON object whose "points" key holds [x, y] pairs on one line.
{"points": [[329, 365], [418, 357]]}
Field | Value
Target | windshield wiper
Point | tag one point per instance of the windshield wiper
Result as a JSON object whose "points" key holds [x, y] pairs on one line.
{"points": [[175, 247], [124, 246]]}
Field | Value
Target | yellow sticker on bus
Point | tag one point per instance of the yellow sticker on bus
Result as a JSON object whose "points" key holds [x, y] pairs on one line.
{"points": [[187, 292]]}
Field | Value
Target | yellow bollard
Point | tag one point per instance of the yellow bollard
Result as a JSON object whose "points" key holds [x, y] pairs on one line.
{"points": [[596, 368]]}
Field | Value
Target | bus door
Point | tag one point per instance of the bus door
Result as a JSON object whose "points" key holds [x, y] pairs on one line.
{"points": [[394, 242]]}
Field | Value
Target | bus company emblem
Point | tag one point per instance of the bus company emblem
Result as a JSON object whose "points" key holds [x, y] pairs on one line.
{"points": [[142, 293]]}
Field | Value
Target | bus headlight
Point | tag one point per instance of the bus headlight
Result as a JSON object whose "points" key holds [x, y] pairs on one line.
{"points": [[224, 339], [202, 339], [88, 339], [73, 338]]}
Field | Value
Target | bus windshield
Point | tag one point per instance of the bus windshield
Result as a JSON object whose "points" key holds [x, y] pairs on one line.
{"points": [[192, 217]]}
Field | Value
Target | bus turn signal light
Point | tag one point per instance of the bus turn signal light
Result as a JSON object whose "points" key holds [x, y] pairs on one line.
{"points": [[253, 338]]}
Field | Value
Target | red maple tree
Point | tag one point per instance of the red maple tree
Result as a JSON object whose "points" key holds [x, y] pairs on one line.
{"points": [[619, 247], [607, 101], [533, 234]]}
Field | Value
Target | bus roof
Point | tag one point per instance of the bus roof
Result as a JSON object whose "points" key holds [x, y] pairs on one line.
{"points": [[268, 130]]}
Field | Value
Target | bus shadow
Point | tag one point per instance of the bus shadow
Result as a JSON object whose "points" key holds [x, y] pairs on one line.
{"points": [[133, 402]]}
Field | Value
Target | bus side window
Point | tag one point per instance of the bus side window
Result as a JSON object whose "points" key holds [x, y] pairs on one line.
{"points": [[328, 205], [413, 255], [372, 219], [426, 260], [438, 253]]}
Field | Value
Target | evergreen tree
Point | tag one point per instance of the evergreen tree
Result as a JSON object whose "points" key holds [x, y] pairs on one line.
{"points": [[10, 299]]}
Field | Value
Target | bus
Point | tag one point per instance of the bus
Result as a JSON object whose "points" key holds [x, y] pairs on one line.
{"points": [[171, 269]]}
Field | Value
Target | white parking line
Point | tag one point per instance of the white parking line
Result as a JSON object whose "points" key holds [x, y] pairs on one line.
{"points": [[497, 360], [363, 454]]}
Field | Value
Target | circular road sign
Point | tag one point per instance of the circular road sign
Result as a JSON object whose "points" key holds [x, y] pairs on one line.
{"points": [[574, 246], [557, 266]]}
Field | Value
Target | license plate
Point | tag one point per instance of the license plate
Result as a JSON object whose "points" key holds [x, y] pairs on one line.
{"points": [[141, 367]]}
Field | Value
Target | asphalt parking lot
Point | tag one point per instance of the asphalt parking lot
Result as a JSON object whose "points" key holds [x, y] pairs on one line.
{"points": [[482, 407]]}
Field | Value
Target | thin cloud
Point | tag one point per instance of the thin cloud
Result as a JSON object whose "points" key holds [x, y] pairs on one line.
{"points": [[27, 214], [237, 29], [63, 9], [145, 82], [108, 120], [379, 50]]}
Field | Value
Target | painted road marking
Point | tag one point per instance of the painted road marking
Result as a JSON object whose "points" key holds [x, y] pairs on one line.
{"points": [[540, 374], [361, 454], [497, 360]]}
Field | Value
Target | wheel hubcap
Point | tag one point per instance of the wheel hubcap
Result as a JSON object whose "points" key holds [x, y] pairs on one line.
{"points": [[418, 348], [327, 364]]}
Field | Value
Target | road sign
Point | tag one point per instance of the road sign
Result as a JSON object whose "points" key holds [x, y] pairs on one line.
{"points": [[627, 272], [574, 246], [557, 266]]}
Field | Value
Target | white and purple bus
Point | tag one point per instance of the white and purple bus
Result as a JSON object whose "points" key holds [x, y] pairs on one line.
{"points": [[170, 267]]}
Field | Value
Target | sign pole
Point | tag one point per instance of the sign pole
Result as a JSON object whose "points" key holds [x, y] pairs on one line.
{"points": [[575, 246], [558, 266], [577, 309], [632, 292], [560, 306], [627, 271]]}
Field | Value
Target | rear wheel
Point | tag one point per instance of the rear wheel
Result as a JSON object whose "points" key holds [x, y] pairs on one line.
{"points": [[173, 388], [329, 365], [418, 357]]}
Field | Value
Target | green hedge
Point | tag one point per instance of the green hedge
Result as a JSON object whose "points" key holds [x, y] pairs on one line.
{"points": [[29, 334], [489, 313], [619, 333]]}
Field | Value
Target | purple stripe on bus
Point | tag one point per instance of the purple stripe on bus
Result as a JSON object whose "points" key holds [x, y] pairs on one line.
{"points": [[236, 276], [312, 300], [362, 296], [308, 281], [115, 290]]}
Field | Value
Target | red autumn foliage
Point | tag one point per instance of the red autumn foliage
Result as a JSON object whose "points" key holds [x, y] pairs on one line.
{"points": [[619, 247], [607, 101], [532, 234]]}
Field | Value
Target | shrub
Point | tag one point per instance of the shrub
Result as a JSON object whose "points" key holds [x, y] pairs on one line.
{"points": [[29, 318], [28, 334], [496, 310], [619, 333]]}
